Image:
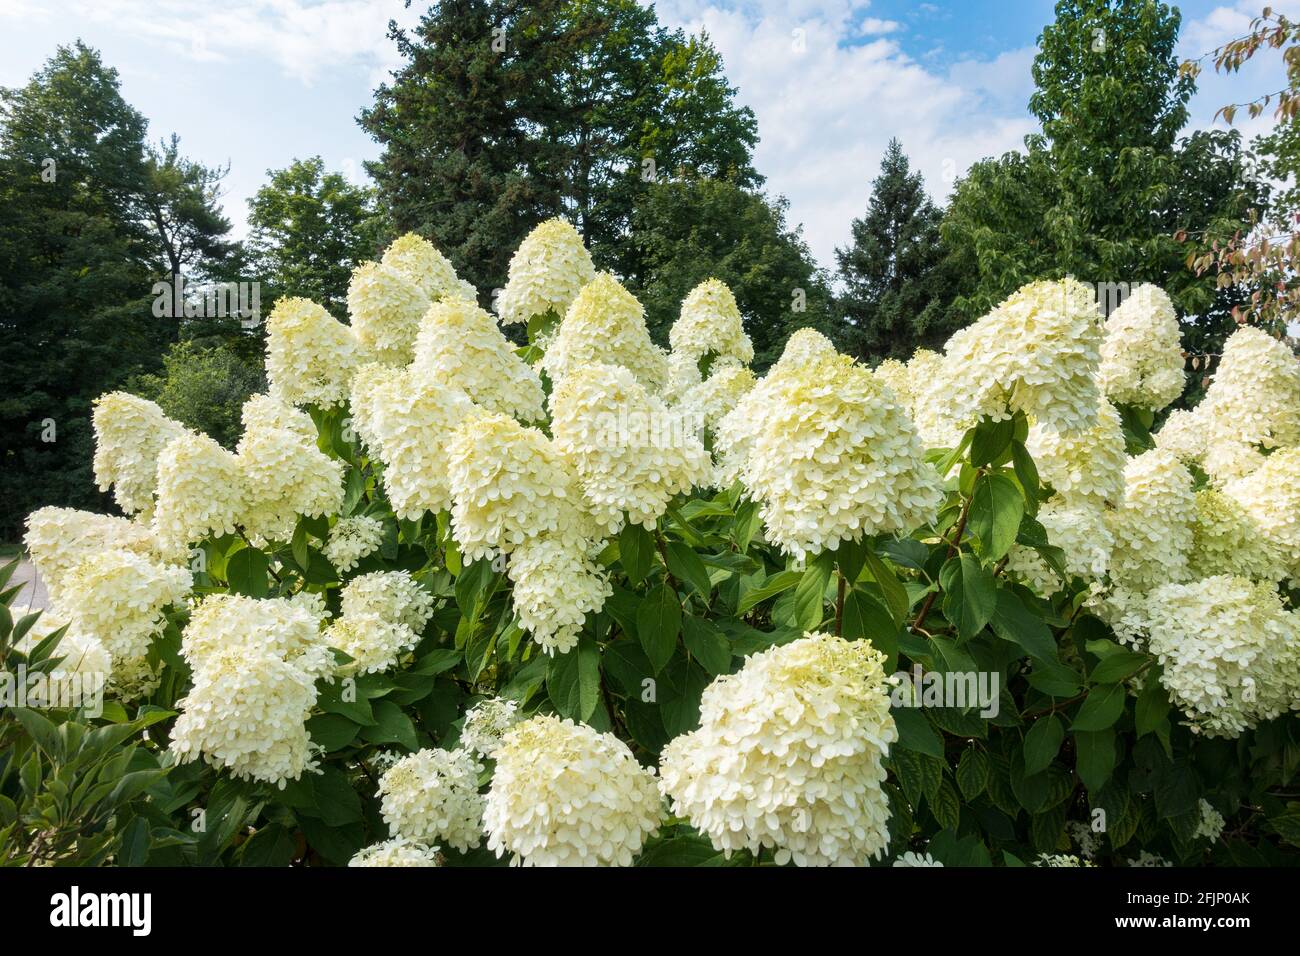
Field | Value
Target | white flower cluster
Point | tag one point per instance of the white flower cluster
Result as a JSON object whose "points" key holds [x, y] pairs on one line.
{"points": [[118, 597], [789, 755], [631, 453], [201, 491], [351, 539], [1059, 859], [509, 484], [898, 378], [130, 434], [285, 475], [432, 796], [385, 308], [1226, 540], [556, 585], [706, 403], [606, 324], [1270, 497], [255, 665], [85, 663], [383, 615], [1142, 354], [802, 347], [546, 273], [1037, 352], [710, 324], [1148, 859], [398, 852], [1229, 650], [310, 355], [1183, 435], [1085, 466], [830, 455], [1152, 526], [404, 419], [420, 263], [460, 345], [486, 723], [1081, 532], [59, 539], [564, 794], [1252, 405]]}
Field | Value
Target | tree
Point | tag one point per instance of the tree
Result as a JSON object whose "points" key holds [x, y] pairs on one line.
{"points": [[91, 219], [895, 296], [686, 231], [204, 387], [180, 203], [1103, 191], [506, 113], [1261, 259], [308, 230], [75, 273]]}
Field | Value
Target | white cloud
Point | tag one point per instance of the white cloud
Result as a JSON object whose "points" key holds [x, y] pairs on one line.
{"points": [[304, 39], [827, 110]]}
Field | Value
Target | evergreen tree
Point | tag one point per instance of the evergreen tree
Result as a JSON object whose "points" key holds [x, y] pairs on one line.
{"points": [[895, 297], [507, 112]]}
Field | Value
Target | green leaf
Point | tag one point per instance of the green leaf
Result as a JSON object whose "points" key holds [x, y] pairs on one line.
{"points": [[946, 806], [332, 731], [891, 588], [1117, 667], [915, 732], [991, 441], [810, 592], [1101, 708], [272, 845], [658, 621], [1026, 470], [246, 572], [1013, 621], [1094, 757], [635, 551], [1042, 743], [707, 644], [391, 726], [972, 772], [970, 594], [865, 618], [686, 566], [573, 680], [770, 588], [334, 798], [1152, 711], [995, 512]]}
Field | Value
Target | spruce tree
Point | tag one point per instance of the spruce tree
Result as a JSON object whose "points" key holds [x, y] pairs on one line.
{"points": [[895, 298]]}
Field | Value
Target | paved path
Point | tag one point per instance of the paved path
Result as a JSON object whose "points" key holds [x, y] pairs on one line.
{"points": [[33, 593]]}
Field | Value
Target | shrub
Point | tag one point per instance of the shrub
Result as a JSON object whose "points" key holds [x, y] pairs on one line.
{"points": [[964, 611]]}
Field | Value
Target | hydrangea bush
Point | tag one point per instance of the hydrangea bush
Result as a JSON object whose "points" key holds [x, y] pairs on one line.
{"points": [[589, 601]]}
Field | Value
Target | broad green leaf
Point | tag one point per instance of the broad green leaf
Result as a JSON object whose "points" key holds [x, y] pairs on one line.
{"points": [[636, 551], [810, 592], [573, 680], [687, 567], [1013, 621], [1042, 743], [1101, 708], [770, 588], [246, 572], [915, 732], [970, 594], [707, 644], [995, 512], [991, 441], [891, 588], [1094, 757], [972, 772], [658, 621]]}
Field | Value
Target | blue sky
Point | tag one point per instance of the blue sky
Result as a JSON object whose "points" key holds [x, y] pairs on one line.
{"points": [[257, 83]]}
